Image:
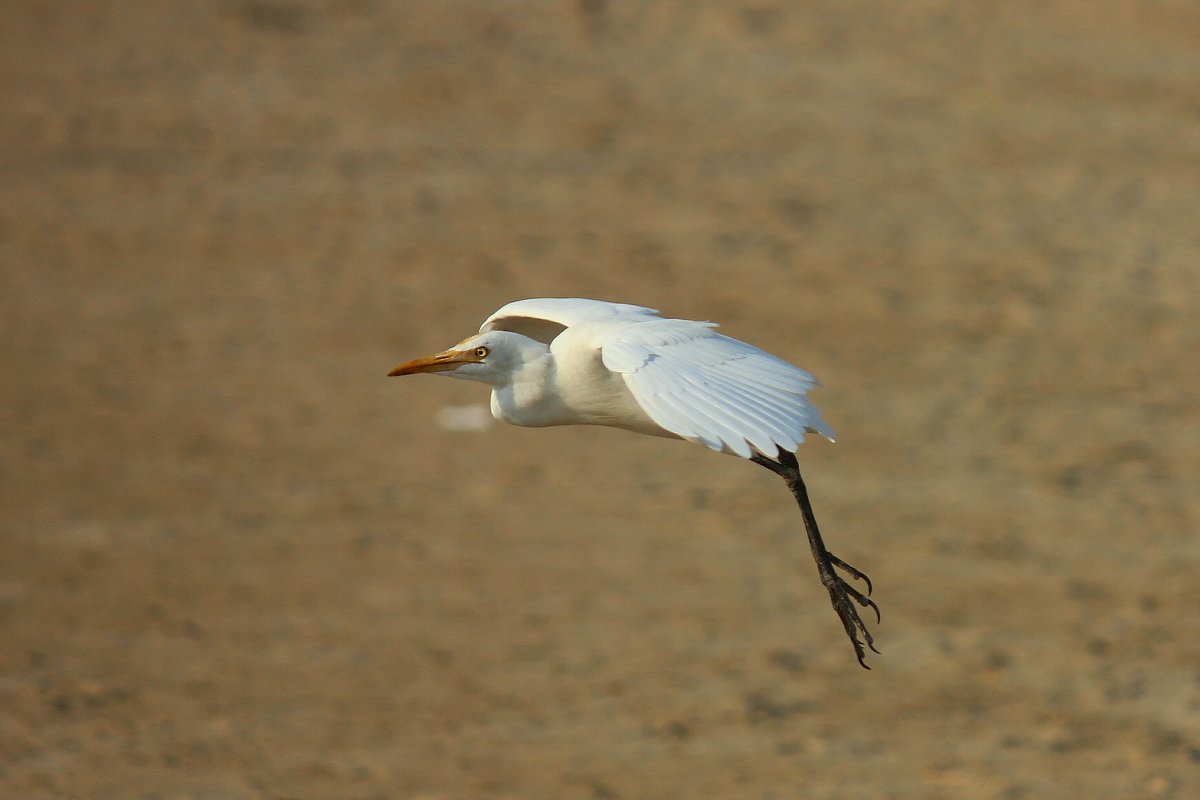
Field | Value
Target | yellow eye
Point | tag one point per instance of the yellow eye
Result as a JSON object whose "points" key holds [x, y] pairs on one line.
{"points": [[481, 352]]}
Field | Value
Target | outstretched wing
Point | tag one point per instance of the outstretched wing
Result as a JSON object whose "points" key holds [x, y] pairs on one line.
{"points": [[544, 318], [723, 393]]}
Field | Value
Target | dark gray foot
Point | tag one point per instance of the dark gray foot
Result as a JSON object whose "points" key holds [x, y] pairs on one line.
{"points": [[843, 596]]}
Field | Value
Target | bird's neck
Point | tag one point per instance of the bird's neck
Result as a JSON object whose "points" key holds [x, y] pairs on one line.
{"points": [[528, 398]]}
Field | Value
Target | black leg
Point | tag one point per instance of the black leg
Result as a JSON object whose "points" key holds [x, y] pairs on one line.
{"points": [[841, 593]]}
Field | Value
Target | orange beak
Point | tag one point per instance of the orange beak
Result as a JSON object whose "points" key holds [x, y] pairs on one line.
{"points": [[438, 362]]}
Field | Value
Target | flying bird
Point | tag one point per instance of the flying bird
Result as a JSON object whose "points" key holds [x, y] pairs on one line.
{"points": [[570, 361]]}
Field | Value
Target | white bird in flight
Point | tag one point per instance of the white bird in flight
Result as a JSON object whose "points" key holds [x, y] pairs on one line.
{"points": [[570, 361]]}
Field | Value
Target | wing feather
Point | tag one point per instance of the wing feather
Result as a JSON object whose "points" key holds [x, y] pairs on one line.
{"points": [[659, 396], [752, 419], [775, 430], [544, 318], [667, 411], [709, 388]]}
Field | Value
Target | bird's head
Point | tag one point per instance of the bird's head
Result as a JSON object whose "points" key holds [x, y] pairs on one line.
{"points": [[492, 357]]}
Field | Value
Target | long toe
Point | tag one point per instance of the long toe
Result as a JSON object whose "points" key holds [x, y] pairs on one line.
{"points": [[853, 572], [851, 621]]}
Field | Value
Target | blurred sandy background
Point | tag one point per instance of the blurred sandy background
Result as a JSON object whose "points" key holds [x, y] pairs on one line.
{"points": [[236, 561]]}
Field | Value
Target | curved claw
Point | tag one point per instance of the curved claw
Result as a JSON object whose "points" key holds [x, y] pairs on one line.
{"points": [[869, 603], [841, 593], [864, 601], [853, 572]]}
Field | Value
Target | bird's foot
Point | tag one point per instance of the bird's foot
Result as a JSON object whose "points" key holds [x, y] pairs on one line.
{"points": [[844, 596]]}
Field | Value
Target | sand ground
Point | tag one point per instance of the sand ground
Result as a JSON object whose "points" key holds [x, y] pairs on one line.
{"points": [[238, 562]]}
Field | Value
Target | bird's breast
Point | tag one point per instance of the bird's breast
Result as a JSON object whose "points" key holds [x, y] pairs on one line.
{"points": [[571, 387]]}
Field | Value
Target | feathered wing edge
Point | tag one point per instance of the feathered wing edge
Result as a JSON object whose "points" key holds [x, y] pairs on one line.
{"points": [[720, 392], [565, 311]]}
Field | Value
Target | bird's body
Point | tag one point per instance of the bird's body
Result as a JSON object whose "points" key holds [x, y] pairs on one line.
{"points": [[571, 361], [564, 382]]}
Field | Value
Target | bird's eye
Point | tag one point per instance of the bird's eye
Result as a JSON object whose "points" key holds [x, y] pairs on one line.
{"points": [[481, 352]]}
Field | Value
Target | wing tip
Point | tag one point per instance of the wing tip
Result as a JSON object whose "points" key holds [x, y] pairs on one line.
{"points": [[821, 429]]}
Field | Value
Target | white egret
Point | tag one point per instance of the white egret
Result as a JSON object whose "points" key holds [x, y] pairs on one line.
{"points": [[570, 361]]}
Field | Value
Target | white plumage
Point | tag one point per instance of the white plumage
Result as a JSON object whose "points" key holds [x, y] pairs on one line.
{"points": [[570, 361], [596, 363]]}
